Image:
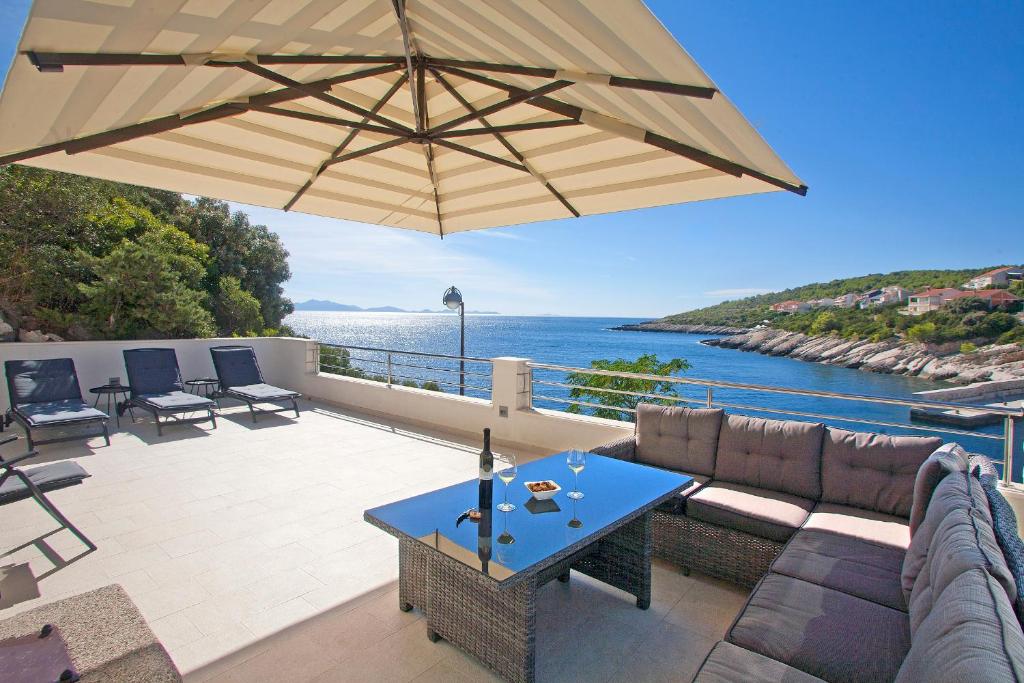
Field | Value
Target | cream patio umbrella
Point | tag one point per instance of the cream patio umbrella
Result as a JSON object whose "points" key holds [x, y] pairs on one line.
{"points": [[431, 115]]}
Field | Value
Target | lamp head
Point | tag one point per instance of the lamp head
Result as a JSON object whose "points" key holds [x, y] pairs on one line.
{"points": [[452, 298]]}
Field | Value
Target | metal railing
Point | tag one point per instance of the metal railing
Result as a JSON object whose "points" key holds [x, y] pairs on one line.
{"points": [[435, 371], [708, 399]]}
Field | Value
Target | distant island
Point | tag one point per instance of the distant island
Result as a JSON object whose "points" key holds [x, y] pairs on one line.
{"points": [[324, 305], [958, 325]]}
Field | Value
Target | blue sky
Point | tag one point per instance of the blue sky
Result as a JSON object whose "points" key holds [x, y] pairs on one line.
{"points": [[903, 118]]}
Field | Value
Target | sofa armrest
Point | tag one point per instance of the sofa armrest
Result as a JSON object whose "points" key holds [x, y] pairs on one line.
{"points": [[623, 449]]}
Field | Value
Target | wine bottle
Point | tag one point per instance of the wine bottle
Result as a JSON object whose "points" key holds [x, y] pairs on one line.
{"points": [[486, 498]]}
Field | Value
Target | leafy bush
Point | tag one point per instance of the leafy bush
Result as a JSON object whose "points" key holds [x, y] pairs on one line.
{"points": [[923, 332], [237, 311], [968, 347], [602, 389]]}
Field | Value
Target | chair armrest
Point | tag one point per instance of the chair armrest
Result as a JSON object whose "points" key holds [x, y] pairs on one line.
{"points": [[8, 439], [10, 462], [623, 449]]}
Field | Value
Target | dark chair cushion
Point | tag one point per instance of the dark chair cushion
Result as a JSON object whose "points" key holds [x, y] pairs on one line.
{"points": [[175, 400], [768, 514], [780, 455], [872, 471], [846, 564], [728, 663], [42, 381], [51, 477], [1004, 523], [69, 410], [824, 632], [236, 366], [971, 634], [152, 371], [873, 527], [262, 392], [681, 439]]}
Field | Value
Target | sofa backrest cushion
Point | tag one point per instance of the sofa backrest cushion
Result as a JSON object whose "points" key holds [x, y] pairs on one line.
{"points": [[780, 455], [152, 371], [1004, 523], [236, 366], [949, 457], [956, 491], [963, 541], [42, 381], [682, 439], [971, 634], [872, 471]]}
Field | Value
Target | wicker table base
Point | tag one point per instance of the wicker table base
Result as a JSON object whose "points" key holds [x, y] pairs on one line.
{"points": [[496, 624]]}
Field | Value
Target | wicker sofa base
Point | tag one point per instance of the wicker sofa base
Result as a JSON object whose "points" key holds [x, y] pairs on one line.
{"points": [[735, 556], [496, 624]]}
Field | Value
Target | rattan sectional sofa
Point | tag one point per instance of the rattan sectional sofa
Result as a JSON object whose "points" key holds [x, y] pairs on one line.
{"points": [[871, 557]]}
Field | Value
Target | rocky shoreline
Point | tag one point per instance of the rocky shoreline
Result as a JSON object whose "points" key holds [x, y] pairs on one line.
{"points": [[928, 361], [655, 326]]}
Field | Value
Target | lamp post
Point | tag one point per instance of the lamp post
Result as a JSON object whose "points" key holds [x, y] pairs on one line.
{"points": [[453, 300]]}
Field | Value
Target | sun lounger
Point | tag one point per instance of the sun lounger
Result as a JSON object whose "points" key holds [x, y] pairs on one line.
{"points": [[156, 387], [241, 379], [45, 394]]}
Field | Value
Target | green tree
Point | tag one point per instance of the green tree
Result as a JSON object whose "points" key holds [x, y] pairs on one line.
{"points": [[923, 332], [251, 253], [237, 311], [824, 323], [620, 392], [1017, 287], [149, 285]]}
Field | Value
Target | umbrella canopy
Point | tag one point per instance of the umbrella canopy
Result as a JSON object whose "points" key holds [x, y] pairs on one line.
{"points": [[433, 116]]}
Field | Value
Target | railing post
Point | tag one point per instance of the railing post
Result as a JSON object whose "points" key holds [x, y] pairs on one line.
{"points": [[1008, 450], [710, 402], [389, 367]]}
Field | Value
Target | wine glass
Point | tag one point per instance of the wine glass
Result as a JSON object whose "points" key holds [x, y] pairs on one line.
{"points": [[576, 461], [505, 467]]}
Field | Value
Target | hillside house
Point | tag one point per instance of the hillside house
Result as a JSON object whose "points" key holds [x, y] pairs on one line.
{"points": [[931, 300], [791, 307], [894, 294], [998, 277], [848, 300], [995, 298]]}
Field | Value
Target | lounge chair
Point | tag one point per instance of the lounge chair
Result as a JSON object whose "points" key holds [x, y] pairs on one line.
{"points": [[45, 394], [240, 378], [156, 387], [17, 484]]}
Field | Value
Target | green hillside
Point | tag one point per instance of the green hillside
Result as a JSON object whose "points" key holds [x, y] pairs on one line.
{"points": [[753, 310]]}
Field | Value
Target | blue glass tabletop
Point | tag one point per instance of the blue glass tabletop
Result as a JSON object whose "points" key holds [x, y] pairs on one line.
{"points": [[503, 545]]}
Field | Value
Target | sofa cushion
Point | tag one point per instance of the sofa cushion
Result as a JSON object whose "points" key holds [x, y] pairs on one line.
{"points": [[873, 527], [771, 454], [677, 503], [263, 392], [681, 439], [42, 381], [846, 564], [963, 541], [176, 400], [768, 514], [947, 458], [824, 632], [728, 663], [872, 471], [952, 493], [50, 477], [971, 634], [1004, 523]]}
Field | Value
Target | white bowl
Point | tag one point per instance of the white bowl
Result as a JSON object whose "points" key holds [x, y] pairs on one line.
{"points": [[543, 495]]}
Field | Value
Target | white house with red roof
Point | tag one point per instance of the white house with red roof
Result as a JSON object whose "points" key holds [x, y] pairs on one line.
{"points": [[931, 300], [791, 307], [997, 277]]}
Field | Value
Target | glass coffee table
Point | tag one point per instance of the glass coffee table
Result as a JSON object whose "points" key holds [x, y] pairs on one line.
{"points": [[477, 580]]}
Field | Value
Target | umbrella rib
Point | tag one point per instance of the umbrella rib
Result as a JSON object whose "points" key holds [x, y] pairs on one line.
{"points": [[651, 138], [482, 155], [504, 141], [281, 79], [509, 128], [698, 91], [345, 143], [419, 101], [366, 150], [175, 121], [56, 61], [514, 98], [329, 120]]}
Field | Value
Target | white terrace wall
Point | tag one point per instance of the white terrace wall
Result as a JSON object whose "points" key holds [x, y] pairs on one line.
{"points": [[290, 362]]}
